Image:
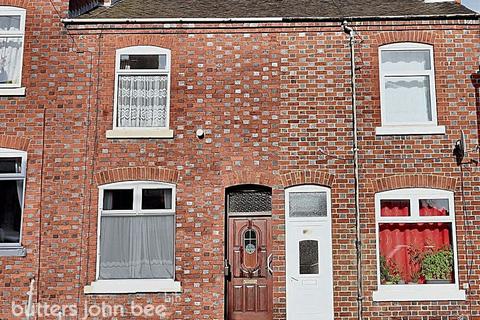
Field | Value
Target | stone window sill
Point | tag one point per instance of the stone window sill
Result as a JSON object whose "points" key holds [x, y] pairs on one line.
{"points": [[14, 251], [12, 91], [424, 292], [126, 286], [140, 133], [409, 130]]}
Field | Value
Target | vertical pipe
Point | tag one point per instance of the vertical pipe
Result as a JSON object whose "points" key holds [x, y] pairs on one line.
{"points": [[358, 241], [28, 311]]}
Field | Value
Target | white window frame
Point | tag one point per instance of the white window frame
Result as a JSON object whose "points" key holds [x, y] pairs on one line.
{"points": [[141, 132], [417, 292], [14, 89], [15, 249], [408, 128], [101, 286]]}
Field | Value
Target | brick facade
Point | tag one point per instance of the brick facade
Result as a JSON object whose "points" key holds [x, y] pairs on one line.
{"points": [[274, 101]]}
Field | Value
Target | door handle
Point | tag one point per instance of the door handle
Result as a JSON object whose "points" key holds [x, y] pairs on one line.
{"points": [[294, 279], [269, 263], [226, 268]]}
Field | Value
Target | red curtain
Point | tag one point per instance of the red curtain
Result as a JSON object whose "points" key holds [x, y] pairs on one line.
{"points": [[428, 211], [398, 239]]}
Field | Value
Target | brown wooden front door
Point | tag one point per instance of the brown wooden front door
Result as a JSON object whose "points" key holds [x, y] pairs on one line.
{"points": [[250, 279]]}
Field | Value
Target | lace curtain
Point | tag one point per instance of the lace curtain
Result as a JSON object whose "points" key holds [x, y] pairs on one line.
{"points": [[142, 101], [10, 59], [137, 247]]}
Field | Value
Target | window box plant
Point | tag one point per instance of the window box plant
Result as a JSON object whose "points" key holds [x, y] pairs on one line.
{"points": [[415, 263], [389, 273], [437, 266]]}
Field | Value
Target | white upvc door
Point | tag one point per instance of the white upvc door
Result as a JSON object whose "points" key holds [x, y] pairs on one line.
{"points": [[309, 253]]}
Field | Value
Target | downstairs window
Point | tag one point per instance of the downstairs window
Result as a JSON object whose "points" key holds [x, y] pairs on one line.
{"points": [[12, 187], [416, 245]]}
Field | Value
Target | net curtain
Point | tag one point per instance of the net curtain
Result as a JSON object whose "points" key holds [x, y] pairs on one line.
{"points": [[142, 101], [10, 60], [136, 247]]}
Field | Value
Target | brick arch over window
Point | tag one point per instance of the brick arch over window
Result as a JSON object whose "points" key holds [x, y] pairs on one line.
{"points": [[16, 3], [137, 174], [144, 40], [12, 142], [299, 177], [249, 177], [383, 38], [414, 181]]}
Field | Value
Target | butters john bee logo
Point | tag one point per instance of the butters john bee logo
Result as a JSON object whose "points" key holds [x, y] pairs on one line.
{"points": [[103, 310]]}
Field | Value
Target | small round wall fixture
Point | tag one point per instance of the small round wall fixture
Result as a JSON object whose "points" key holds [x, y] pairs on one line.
{"points": [[200, 133]]}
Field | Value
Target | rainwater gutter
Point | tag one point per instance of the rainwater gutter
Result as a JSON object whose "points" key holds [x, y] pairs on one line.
{"points": [[265, 19]]}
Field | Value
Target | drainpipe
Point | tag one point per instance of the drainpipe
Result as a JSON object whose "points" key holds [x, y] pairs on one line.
{"points": [[28, 310], [358, 240]]}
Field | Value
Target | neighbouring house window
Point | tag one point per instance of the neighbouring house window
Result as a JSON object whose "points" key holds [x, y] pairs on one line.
{"points": [[416, 240], [12, 189], [137, 231], [142, 87], [12, 33], [407, 84]]}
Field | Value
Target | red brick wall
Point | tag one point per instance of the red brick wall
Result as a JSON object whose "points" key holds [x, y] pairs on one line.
{"points": [[268, 98], [22, 122]]}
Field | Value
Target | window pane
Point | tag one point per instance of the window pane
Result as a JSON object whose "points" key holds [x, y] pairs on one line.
{"points": [[406, 61], [142, 101], [308, 252], [415, 253], [250, 201], [143, 61], [407, 99], [10, 165], [250, 241], [156, 199], [10, 60], [395, 208], [308, 204], [436, 207], [11, 200], [120, 199], [138, 247], [10, 23]]}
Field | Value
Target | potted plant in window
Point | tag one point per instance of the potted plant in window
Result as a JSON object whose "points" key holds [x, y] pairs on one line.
{"points": [[416, 259], [437, 265], [389, 273]]}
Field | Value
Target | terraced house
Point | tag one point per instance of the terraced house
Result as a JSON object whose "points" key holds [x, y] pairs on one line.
{"points": [[239, 159]]}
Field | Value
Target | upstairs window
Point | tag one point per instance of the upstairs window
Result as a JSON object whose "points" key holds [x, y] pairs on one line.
{"points": [[407, 85], [12, 187], [142, 88], [12, 34]]}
